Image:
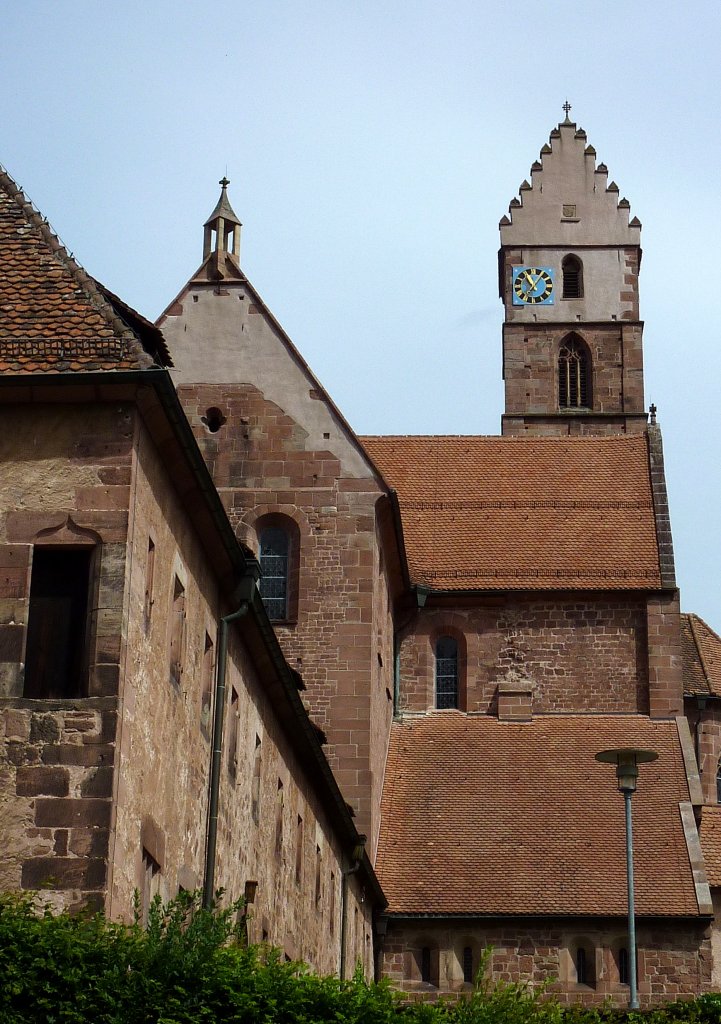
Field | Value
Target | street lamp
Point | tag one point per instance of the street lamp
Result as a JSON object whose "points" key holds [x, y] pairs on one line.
{"points": [[627, 760]]}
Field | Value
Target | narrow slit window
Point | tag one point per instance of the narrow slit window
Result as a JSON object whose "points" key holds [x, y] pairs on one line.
{"points": [[426, 964], [446, 672], [257, 771], [318, 876], [57, 636], [332, 904], [233, 732], [149, 581], [206, 695], [151, 884], [574, 375], [581, 966], [299, 850], [177, 632], [468, 965], [279, 819], [274, 566], [572, 278], [718, 782], [623, 965]]}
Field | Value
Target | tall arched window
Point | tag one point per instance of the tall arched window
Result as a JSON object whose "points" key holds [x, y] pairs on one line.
{"points": [[581, 966], [572, 278], [274, 557], [446, 672], [574, 374]]}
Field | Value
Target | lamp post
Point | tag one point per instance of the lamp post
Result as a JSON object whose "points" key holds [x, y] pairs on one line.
{"points": [[627, 760]]}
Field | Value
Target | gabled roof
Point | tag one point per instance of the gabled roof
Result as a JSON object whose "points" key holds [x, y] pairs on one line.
{"points": [[710, 836], [53, 316], [701, 657], [488, 513], [482, 817]]}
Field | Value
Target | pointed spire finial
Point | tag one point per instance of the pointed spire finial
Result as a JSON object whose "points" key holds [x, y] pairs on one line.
{"points": [[567, 107], [224, 182]]}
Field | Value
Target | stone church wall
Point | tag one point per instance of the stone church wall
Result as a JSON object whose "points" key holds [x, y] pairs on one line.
{"points": [[336, 636], [580, 654], [165, 758], [673, 960]]}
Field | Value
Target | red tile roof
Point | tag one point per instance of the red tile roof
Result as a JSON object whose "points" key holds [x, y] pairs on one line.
{"points": [[485, 513], [53, 316], [490, 818], [710, 835], [701, 657]]}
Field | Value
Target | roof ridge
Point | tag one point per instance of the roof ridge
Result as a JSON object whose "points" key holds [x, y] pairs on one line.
{"points": [[564, 439], [85, 282]]}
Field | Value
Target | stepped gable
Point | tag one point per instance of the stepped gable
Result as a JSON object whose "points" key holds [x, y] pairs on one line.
{"points": [[523, 513], [487, 818], [54, 318], [701, 657], [569, 200]]}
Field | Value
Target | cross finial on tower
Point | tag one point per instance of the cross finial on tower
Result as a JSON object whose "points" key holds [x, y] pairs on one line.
{"points": [[652, 411], [224, 181], [567, 108]]}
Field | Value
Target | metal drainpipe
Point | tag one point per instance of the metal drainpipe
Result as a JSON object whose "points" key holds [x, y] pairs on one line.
{"points": [[211, 841]]}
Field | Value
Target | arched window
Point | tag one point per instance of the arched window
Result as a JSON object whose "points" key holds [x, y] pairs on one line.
{"points": [[468, 965], [572, 278], [274, 557], [574, 374], [623, 965], [718, 782], [446, 672]]}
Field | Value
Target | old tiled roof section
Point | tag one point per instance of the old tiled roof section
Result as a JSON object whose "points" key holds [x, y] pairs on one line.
{"points": [[710, 835], [484, 513], [701, 657], [53, 317], [496, 818]]}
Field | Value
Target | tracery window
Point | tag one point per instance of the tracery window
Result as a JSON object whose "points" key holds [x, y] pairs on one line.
{"points": [[446, 672], [572, 278], [574, 374]]}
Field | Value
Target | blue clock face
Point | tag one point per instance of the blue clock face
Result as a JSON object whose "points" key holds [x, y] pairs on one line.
{"points": [[532, 286]]}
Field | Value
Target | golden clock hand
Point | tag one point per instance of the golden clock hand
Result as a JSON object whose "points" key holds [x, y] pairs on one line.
{"points": [[530, 280]]}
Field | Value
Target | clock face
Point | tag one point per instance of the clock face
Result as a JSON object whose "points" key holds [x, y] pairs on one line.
{"points": [[532, 286]]}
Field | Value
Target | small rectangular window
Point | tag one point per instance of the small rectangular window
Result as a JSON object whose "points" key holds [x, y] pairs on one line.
{"points": [[57, 637], [468, 964], [177, 632], [149, 581]]}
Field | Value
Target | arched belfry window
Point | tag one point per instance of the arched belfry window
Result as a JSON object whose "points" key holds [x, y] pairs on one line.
{"points": [[572, 278], [274, 557], [446, 672], [574, 374]]}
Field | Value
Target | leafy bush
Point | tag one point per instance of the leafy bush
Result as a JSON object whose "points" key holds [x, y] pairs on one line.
{"points": [[191, 967]]}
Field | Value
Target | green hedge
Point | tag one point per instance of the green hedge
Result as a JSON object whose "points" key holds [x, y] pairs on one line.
{"points": [[191, 967]]}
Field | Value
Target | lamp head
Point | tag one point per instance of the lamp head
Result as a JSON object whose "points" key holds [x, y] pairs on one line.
{"points": [[627, 760]]}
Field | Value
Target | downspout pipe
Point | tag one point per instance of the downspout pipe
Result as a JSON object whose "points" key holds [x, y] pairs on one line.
{"points": [[211, 840]]}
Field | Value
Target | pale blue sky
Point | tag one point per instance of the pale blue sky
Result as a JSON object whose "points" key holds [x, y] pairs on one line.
{"points": [[372, 148]]}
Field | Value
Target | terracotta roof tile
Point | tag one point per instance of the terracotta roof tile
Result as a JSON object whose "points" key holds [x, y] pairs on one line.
{"points": [[701, 657], [53, 316], [710, 835], [488, 817], [523, 513]]}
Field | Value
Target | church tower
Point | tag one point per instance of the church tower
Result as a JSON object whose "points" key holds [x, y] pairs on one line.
{"points": [[568, 278]]}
